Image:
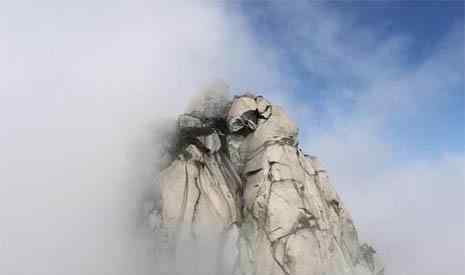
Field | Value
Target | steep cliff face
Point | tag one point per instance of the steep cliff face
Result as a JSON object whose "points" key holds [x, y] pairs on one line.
{"points": [[238, 181]]}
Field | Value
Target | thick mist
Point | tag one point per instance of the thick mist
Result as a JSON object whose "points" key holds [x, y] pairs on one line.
{"points": [[84, 86]]}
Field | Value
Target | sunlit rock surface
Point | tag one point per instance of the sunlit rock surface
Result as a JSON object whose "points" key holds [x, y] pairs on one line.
{"points": [[239, 186]]}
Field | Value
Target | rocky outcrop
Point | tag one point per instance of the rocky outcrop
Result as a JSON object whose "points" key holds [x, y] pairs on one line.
{"points": [[239, 180]]}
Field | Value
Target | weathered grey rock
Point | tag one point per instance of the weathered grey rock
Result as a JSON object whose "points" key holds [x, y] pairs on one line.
{"points": [[242, 171]]}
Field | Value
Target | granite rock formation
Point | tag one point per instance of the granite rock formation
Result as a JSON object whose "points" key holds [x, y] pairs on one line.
{"points": [[238, 181]]}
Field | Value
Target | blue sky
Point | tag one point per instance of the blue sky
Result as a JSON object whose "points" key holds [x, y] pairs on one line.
{"points": [[424, 24]]}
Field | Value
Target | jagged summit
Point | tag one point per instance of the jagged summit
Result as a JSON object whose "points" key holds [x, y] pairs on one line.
{"points": [[239, 182]]}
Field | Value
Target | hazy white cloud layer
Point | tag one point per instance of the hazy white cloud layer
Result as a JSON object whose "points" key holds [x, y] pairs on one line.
{"points": [[84, 83]]}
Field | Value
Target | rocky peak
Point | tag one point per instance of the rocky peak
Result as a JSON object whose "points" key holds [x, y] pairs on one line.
{"points": [[237, 179]]}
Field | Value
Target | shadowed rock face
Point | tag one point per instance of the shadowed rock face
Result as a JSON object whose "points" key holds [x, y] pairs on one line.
{"points": [[239, 182]]}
